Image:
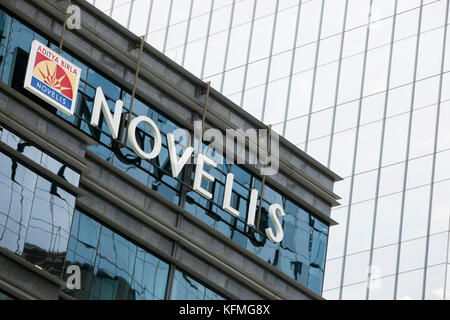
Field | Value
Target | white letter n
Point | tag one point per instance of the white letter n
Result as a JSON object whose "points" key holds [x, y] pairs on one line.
{"points": [[101, 105]]}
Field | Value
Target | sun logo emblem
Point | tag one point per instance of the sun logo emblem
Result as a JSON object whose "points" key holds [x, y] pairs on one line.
{"points": [[55, 77], [52, 80]]}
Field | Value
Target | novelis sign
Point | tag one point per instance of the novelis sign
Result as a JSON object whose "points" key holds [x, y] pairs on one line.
{"points": [[55, 80], [52, 78]]}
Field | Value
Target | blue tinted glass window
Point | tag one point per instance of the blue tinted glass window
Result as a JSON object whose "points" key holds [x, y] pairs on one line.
{"points": [[4, 297], [17, 41], [113, 268], [46, 161], [5, 26], [150, 277], [49, 226], [84, 238], [186, 288], [35, 216]]}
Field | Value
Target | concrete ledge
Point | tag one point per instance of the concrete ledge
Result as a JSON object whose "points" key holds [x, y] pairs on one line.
{"points": [[39, 169], [44, 129], [26, 279]]}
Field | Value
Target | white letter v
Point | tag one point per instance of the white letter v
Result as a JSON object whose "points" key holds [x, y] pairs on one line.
{"points": [[175, 164]]}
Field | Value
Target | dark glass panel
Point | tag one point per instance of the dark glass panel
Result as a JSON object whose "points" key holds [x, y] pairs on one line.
{"points": [[3, 296], [110, 90], [150, 277], [49, 226], [82, 251], [17, 187], [112, 267], [186, 288], [39, 157], [35, 216]]}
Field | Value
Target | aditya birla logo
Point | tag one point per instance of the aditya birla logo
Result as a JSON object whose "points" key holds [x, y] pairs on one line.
{"points": [[52, 78]]}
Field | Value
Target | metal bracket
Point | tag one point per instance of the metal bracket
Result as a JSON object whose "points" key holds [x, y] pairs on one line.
{"points": [[263, 179], [61, 41], [136, 76]]}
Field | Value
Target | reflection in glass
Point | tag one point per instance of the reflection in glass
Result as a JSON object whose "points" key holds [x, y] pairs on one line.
{"points": [[112, 267], [412, 255], [355, 291], [35, 216], [4, 297], [384, 261], [382, 289], [410, 285], [434, 289], [39, 157], [186, 288]]}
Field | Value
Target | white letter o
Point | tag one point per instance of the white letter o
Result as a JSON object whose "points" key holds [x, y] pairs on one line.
{"points": [[156, 135]]}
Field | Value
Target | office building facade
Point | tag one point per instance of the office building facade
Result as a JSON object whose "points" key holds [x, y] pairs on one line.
{"points": [[77, 198], [360, 85]]}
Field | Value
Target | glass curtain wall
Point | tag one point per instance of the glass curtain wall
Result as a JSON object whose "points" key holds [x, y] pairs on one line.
{"points": [[360, 85]]}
